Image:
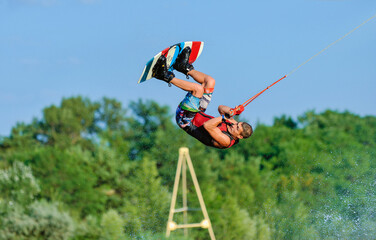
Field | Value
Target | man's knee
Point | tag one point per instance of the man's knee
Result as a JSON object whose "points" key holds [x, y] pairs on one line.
{"points": [[209, 82]]}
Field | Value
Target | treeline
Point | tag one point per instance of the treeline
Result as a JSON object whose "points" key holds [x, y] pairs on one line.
{"points": [[98, 170]]}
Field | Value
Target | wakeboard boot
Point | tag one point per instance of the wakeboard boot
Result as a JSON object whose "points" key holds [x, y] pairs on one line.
{"points": [[182, 62], [161, 72]]}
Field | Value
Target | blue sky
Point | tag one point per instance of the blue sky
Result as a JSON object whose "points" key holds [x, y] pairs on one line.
{"points": [[50, 49]]}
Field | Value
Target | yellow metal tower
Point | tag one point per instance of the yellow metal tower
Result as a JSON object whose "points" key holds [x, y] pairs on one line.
{"points": [[185, 159]]}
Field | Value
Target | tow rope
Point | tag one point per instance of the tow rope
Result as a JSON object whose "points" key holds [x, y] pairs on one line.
{"points": [[241, 107]]}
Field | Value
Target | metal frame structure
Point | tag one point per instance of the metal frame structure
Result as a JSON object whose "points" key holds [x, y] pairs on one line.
{"points": [[184, 160]]}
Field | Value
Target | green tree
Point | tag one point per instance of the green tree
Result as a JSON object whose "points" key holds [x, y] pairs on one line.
{"points": [[310, 178], [68, 177], [112, 225], [18, 185], [41, 220], [21, 217], [148, 118], [147, 202], [234, 222]]}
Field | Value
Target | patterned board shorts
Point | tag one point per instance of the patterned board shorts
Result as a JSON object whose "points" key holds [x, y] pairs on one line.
{"points": [[187, 110]]}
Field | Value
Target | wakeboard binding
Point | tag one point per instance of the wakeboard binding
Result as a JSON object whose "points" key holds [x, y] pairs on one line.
{"points": [[161, 72], [182, 62]]}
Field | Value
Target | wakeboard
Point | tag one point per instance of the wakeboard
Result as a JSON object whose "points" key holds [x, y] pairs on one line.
{"points": [[171, 54]]}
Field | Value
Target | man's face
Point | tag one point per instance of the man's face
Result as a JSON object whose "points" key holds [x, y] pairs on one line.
{"points": [[236, 130]]}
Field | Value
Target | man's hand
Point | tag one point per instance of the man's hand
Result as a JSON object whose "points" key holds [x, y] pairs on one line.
{"points": [[236, 111], [230, 112]]}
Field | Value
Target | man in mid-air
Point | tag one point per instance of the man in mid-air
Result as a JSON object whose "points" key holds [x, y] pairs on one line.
{"points": [[218, 132]]}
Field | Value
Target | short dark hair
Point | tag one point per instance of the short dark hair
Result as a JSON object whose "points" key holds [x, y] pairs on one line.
{"points": [[247, 130]]}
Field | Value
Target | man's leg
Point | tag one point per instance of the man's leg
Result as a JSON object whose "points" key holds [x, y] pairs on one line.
{"points": [[205, 80], [182, 65], [190, 105], [202, 91], [208, 84], [196, 89]]}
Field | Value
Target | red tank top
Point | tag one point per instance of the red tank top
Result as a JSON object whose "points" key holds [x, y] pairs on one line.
{"points": [[198, 131]]}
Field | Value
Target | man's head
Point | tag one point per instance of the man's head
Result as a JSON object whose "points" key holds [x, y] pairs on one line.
{"points": [[241, 130]]}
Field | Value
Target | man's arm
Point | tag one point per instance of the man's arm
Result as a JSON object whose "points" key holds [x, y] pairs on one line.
{"points": [[221, 139], [230, 112], [225, 110]]}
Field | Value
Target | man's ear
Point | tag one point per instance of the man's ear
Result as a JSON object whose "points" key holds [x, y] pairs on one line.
{"points": [[240, 136]]}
